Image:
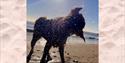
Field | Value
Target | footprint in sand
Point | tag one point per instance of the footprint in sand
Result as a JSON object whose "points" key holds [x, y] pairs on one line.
{"points": [[54, 61], [37, 50]]}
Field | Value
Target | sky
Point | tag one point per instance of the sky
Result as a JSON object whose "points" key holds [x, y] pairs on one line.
{"points": [[59, 8]]}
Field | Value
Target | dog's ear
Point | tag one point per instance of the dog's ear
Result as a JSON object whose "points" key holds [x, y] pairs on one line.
{"points": [[76, 10]]}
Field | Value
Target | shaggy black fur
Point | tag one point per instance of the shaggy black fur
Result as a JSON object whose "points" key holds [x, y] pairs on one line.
{"points": [[56, 31]]}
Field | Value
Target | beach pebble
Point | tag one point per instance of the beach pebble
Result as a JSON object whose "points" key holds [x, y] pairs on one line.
{"points": [[75, 61], [67, 53]]}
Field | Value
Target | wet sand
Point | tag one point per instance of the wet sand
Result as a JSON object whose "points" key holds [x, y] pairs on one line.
{"points": [[74, 52]]}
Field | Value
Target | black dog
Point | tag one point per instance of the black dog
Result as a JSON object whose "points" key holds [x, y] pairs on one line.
{"points": [[56, 31]]}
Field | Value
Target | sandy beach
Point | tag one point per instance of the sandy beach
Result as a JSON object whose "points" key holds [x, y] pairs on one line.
{"points": [[74, 52]]}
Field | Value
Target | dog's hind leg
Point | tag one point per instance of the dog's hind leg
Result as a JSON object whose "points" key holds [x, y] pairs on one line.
{"points": [[46, 53], [33, 42]]}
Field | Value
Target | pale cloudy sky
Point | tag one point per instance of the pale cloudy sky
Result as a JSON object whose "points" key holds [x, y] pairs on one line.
{"points": [[56, 8]]}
